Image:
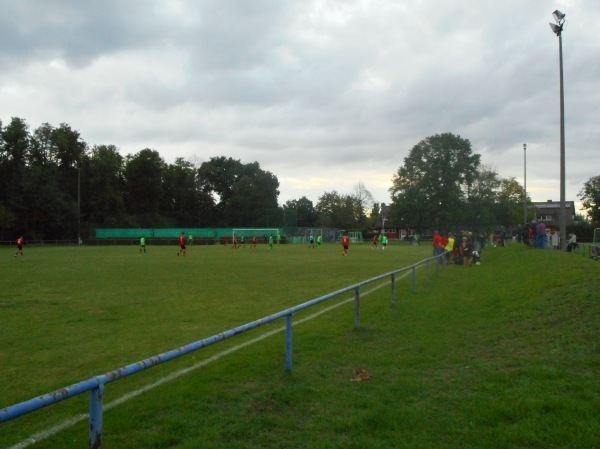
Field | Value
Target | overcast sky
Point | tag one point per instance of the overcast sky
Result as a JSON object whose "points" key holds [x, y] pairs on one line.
{"points": [[323, 94]]}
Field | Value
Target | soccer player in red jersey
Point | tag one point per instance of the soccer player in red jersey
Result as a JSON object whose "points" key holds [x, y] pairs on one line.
{"points": [[345, 244], [20, 243], [182, 241]]}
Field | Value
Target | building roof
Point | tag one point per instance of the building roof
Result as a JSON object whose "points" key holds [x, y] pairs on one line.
{"points": [[551, 204]]}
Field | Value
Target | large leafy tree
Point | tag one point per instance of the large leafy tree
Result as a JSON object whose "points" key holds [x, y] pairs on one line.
{"points": [[430, 189], [217, 177], [69, 152], [67, 146], [14, 145], [374, 213], [51, 201], [243, 193], [105, 195], [180, 199], [41, 150], [509, 202], [144, 174], [15, 142], [335, 210], [482, 200], [346, 211], [305, 211], [590, 195], [254, 192], [39, 173]]}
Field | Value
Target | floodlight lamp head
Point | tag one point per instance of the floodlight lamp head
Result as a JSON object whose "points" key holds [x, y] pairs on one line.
{"points": [[555, 28], [558, 16]]}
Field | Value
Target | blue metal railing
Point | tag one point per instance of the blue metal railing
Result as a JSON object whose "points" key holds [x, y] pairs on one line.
{"points": [[96, 384]]}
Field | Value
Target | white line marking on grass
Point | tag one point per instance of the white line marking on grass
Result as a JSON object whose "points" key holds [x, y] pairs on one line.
{"points": [[78, 418]]}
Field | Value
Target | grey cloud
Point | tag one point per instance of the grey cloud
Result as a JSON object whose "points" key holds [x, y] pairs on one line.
{"points": [[309, 85]]}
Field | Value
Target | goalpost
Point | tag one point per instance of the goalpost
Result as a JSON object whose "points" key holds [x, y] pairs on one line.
{"points": [[355, 236], [261, 234]]}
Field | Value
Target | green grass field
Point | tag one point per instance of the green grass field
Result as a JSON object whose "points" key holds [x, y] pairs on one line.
{"points": [[505, 354]]}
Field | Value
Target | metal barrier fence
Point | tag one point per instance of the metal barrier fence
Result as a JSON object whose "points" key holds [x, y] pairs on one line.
{"points": [[587, 250], [96, 385]]}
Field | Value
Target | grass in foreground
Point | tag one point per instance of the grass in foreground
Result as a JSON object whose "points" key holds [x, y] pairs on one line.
{"points": [[501, 355]]}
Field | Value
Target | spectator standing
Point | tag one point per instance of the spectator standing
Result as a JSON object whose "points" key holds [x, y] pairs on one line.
{"points": [[465, 252], [526, 234], [481, 240], [532, 236], [555, 239], [541, 235], [572, 243], [449, 248], [438, 245]]}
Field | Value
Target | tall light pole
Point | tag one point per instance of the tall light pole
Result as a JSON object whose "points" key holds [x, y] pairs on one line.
{"points": [[78, 204], [557, 28], [524, 184]]}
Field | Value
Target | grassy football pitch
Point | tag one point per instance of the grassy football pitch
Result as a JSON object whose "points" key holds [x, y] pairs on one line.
{"points": [[505, 354]]}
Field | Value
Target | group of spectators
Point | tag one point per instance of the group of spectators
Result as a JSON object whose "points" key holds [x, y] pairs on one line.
{"points": [[533, 234], [463, 248], [537, 235]]}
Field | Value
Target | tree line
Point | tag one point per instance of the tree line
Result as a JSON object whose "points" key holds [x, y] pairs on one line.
{"points": [[53, 185], [443, 184]]}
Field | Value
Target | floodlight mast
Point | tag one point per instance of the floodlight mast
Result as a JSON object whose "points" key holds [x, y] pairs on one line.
{"points": [[555, 28], [559, 17], [524, 184]]}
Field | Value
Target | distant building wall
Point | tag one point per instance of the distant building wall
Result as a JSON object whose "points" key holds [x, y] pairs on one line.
{"points": [[549, 212]]}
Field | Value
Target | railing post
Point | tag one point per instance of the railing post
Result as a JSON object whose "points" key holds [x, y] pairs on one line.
{"points": [[357, 307], [414, 278], [288, 343], [96, 398], [394, 289]]}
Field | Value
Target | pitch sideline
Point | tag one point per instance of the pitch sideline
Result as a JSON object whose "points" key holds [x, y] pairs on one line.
{"points": [[78, 418]]}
